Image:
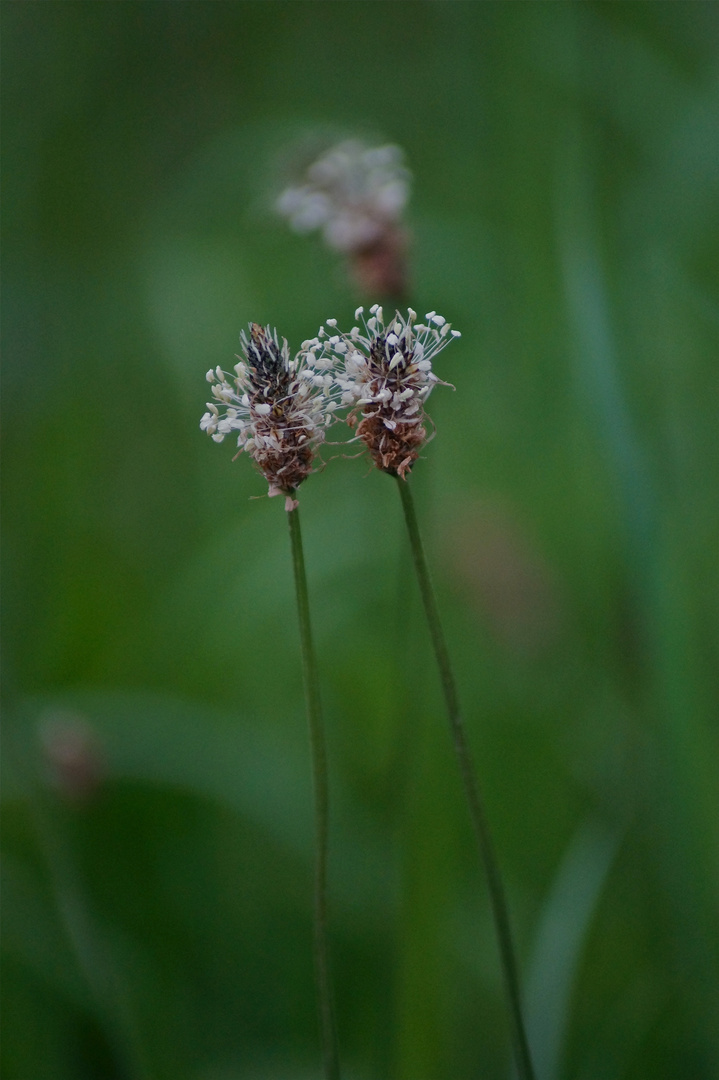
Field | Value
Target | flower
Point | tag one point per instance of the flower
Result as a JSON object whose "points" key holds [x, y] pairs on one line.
{"points": [[386, 377], [356, 194], [351, 192], [279, 407]]}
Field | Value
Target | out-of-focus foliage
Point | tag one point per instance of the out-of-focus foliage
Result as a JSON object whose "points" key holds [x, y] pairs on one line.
{"points": [[157, 824]]}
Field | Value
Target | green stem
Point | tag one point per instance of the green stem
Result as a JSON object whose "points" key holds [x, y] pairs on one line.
{"points": [[319, 772], [471, 787]]}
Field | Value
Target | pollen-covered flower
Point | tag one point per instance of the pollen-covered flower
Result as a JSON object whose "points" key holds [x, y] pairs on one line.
{"points": [[385, 378], [278, 406], [356, 195]]}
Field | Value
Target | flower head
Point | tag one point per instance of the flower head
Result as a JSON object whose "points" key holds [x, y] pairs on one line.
{"points": [[351, 192], [385, 378], [278, 406], [356, 194]]}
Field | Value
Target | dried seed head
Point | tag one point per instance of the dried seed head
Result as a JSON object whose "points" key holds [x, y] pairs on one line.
{"points": [[280, 408], [385, 380]]}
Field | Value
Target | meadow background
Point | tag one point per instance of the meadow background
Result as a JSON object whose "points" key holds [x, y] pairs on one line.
{"points": [[157, 804]]}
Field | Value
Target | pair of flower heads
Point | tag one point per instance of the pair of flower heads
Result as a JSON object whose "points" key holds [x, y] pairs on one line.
{"points": [[377, 378]]}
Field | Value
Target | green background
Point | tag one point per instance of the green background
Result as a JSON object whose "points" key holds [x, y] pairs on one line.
{"points": [[157, 887]]}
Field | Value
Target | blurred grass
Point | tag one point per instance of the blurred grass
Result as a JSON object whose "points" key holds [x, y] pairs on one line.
{"points": [[565, 215]]}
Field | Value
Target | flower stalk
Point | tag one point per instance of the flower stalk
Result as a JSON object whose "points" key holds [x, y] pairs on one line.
{"points": [[328, 1030], [279, 407], [470, 783]]}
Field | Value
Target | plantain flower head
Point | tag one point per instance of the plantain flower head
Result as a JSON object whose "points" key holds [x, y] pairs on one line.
{"points": [[352, 192], [356, 195], [384, 376], [278, 407]]}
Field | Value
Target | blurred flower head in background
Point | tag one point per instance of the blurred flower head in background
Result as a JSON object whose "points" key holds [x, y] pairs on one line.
{"points": [[385, 378], [356, 195], [73, 758], [278, 406]]}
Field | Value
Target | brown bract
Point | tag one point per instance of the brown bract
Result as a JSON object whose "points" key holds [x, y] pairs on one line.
{"points": [[393, 430], [394, 452], [283, 444], [380, 267], [284, 454]]}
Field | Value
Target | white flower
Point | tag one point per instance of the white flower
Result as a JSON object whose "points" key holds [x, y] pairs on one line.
{"points": [[279, 407], [353, 193], [384, 376]]}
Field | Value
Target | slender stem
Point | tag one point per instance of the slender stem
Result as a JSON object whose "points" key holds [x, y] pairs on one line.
{"points": [[319, 772], [471, 787]]}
